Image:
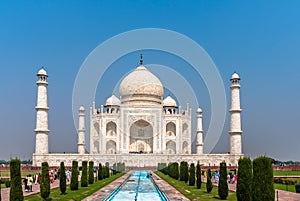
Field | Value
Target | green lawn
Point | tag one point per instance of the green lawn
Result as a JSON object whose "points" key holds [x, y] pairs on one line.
{"points": [[192, 192], [286, 173], [75, 195]]}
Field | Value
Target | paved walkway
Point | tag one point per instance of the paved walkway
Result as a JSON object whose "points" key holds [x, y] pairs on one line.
{"points": [[35, 190]]}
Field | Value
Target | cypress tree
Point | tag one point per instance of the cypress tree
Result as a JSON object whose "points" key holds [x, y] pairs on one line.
{"points": [[184, 171], [45, 181], [74, 177], [198, 176], [91, 172], [16, 192], [100, 174], [107, 170], [263, 181], [181, 178], [244, 183], [192, 175], [84, 181], [62, 178], [223, 185], [175, 171], [209, 185]]}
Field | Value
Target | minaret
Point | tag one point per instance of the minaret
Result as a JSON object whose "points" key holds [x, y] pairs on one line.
{"points": [[41, 139], [235, 116], [81, 131], [199, 144]]}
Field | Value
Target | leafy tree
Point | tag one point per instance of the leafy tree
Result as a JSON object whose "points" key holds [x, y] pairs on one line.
{"points": [[192, 175], [198, 176], [62, 178], [263, 181], [16, 193], [100, 170], [74, 178], [45, 181], [84, 179], [244, 183], [91, 172], [209, 185], [223, 185]]}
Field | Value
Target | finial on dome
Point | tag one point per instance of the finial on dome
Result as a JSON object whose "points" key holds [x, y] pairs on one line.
{"points": [[141, 59]]}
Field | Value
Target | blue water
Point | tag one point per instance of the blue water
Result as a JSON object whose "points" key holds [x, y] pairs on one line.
{"points": [[138, 187]]}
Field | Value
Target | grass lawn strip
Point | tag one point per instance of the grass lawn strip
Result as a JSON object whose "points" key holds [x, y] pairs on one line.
{"points": [[192, 193], [79, 194]]}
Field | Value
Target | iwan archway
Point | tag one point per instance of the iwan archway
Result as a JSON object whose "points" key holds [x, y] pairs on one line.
{"points": [[141, 137]]}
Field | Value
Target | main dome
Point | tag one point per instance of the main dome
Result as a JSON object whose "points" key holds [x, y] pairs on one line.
{"points": [[141, 87]]}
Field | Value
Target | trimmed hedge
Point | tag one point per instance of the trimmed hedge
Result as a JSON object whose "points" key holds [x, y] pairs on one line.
{"points": [[62, 178], [209, 185], [198, 176], [16, 193], [192, 175], [74, 177], [100, 172], [91, 172], [84, 176], [244, 182], [45, 181], [263, 181], [184, 171], [223, 185], [297, 188]]}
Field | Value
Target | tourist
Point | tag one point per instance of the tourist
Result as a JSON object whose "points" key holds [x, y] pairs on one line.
{"points": [[217, 176], [29, 182], [25, 184], [234, 178], [36, 179]]}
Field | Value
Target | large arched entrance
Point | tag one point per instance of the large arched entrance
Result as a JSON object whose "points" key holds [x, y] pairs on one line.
{"points": [[141, 137]]}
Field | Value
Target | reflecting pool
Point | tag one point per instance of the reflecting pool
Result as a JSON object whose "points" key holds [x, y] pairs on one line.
{"points": [[139, 186]]}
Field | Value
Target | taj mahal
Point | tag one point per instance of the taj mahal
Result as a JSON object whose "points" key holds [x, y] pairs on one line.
{"points": [[140, 128]]}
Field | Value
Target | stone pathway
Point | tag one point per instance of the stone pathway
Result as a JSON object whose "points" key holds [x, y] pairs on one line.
{"points": [[35, 190]]}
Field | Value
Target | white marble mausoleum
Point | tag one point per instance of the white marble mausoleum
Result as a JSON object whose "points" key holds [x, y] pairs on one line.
{"points": [[141, 127]]}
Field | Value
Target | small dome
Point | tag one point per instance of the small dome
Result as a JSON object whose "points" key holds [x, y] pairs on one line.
{"points": [[113, 100], [169, 101], [235, 76], [81, 108], [42, 72], [199, 110], [141, 87]]}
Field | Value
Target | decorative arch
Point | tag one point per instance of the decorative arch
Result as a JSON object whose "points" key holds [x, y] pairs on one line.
{"points": [[185, 130], [171, 147], [96, 147], [185, 147], [171, 129], [111, 147], [111, 129], [141, 137]]}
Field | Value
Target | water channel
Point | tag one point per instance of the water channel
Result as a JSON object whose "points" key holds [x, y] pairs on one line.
{"points": [[139, 186]]}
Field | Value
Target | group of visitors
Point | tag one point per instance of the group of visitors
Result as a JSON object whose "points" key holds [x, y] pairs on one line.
{"points": [[232, 178]]}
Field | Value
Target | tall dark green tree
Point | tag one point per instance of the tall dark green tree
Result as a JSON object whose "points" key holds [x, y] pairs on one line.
{"points": [[209, 185], [192, 175], [100, 174], [223, 185], [184, 171], [45, 181], [263, 181], [198, 176], [62, 178], [74, 177], [84, 177], [244, 183], [107, 170], [16, 192], [91, 172]]}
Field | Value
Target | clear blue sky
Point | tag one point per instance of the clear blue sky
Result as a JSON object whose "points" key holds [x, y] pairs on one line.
{"points": [[259, 39]]}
